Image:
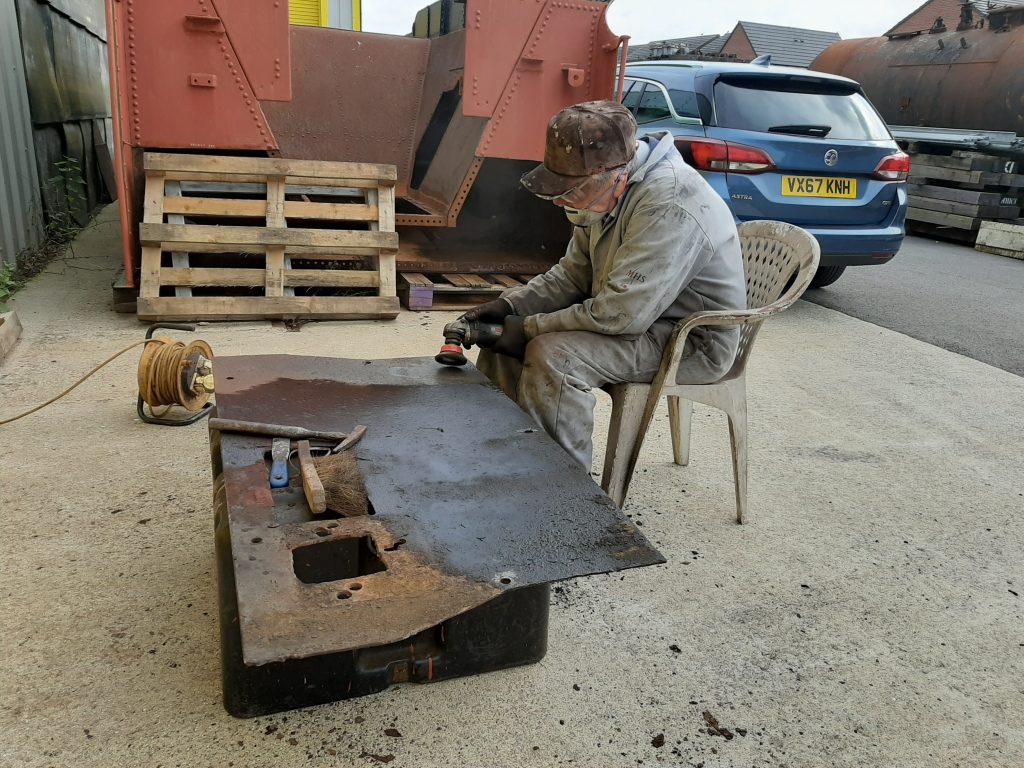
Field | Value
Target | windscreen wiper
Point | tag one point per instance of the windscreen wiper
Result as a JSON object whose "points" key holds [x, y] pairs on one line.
{"points": [[802, 130]]}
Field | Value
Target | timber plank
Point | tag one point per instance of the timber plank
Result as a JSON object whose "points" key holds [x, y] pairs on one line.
{"points": [[952, 174], [944, 219], [173, 309], [238, 277], [970, 197], [505, 280], [965, 209], [331, 278], [974, 163], [269, 166], [198, 234]]}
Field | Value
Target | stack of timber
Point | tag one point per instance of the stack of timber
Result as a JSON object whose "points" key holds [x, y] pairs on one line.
{"points": [[242, 238], [450, 291], [951, 196]]}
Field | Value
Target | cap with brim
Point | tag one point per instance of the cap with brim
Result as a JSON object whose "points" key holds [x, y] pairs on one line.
{"points": [[549, 185], [583, 141], [574, 182]]}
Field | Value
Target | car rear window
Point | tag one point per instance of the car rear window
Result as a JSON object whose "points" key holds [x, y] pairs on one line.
{"points": [[760, 104]]}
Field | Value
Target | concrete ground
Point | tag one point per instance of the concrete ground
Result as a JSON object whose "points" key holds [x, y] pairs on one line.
{"points": [[869, 615], [949, 295]]}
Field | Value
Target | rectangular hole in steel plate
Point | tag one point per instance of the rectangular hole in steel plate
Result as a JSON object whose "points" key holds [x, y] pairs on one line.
{"points": [[336, 559]]}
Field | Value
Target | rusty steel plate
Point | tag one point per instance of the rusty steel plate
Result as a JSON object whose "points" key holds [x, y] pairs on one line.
{"points": [[469, 498]]}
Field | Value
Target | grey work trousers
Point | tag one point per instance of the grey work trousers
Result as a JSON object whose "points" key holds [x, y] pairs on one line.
{"points": [[555, 381]]}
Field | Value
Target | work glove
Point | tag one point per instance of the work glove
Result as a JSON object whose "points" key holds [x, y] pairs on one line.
{"points": [[491, 312], [512, 341]]}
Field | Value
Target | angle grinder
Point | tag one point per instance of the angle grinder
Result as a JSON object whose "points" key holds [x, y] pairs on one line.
{"points": [[463, 333]]}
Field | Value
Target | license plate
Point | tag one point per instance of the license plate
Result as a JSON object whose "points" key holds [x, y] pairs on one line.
{"points": [[818, 186]]}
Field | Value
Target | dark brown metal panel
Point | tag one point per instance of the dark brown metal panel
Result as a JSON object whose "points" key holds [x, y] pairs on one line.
{"points": [[81, 65], [43, 94], [88, 13], [354, 98], [471, 499], [972, 79]]}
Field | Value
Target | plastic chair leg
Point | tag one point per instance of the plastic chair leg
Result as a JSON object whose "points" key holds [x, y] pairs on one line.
{"points": [[680, 412], [738, 437], [624, 438]]}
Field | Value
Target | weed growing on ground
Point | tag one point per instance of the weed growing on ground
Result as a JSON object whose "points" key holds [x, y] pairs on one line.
{"points": [[60, 230]]}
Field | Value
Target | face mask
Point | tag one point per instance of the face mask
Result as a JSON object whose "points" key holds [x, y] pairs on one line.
{"points": [[583, 218]]}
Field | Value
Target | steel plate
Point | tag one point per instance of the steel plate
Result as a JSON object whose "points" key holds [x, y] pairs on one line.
{"points": [[470, 499]]}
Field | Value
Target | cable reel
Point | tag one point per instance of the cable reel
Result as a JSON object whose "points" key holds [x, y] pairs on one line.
{"points": [[172, 373]]}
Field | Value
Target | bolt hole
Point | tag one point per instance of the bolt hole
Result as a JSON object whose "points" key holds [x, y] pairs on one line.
{"points": [[506, 580], [230, 378], [355, 587], [256, 539], [344, 595], [321, 532]]}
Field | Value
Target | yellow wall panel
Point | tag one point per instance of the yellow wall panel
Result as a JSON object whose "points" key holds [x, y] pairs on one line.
{"points": [[312, 13]]}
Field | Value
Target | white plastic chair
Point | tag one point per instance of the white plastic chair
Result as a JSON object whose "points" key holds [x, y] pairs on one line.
{"points": [[774, 254]]}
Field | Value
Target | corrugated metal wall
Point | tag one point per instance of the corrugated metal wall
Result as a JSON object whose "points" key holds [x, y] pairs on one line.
{"points": [[65, 54], [20, 210]]}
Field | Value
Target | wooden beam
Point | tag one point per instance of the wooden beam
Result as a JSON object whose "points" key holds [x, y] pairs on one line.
{"points": [[212, 206], [171, 236], [237, 277], [331, 278], [226, 308], [269, 166], [274, 285]]}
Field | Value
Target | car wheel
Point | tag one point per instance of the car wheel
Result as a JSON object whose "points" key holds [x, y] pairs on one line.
{"points": [[826, 276]]}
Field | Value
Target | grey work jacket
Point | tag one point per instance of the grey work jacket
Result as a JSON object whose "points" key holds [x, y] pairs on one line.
{"points": [[667, 250]]}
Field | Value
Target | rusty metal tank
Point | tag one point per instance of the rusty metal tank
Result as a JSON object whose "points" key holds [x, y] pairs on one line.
{"points": [[970, 79]]}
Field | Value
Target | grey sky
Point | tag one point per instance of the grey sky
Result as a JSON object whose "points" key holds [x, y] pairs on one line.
{"points": [[647, 20]]}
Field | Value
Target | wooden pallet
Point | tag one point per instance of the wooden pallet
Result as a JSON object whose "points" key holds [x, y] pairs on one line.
{"points": [[453, 291], [252, 264]]}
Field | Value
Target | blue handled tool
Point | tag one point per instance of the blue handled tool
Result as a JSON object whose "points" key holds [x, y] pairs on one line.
{"points": [[279, 451]]}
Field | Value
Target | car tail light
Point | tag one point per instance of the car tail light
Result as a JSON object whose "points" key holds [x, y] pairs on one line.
{"points": [[893, 168], [723, 156]]}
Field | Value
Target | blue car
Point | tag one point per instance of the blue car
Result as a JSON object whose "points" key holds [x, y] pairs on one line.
{"points": [[787, 144]]}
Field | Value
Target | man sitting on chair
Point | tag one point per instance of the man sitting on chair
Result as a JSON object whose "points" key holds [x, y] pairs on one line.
{"points": [[652, 242]]}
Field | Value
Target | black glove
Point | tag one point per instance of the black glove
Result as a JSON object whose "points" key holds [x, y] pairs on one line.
{"points": [[512, 341], [491, 312]]}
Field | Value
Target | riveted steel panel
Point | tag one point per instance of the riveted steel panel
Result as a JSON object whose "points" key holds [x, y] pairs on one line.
{"points": [[261, 42], [165, 44], [535, 80]]}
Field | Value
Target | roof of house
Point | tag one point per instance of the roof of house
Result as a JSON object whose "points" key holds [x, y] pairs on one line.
{"points": [[924, 17], [788, 46], [707, 44]]}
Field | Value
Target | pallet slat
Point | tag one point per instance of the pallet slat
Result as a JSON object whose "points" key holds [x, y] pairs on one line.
{"points": [[270, 166], [201, 234], [173, 309], [211, 206]]}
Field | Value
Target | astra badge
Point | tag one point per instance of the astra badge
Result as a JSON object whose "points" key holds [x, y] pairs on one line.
{"points": [[831, 157]]}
